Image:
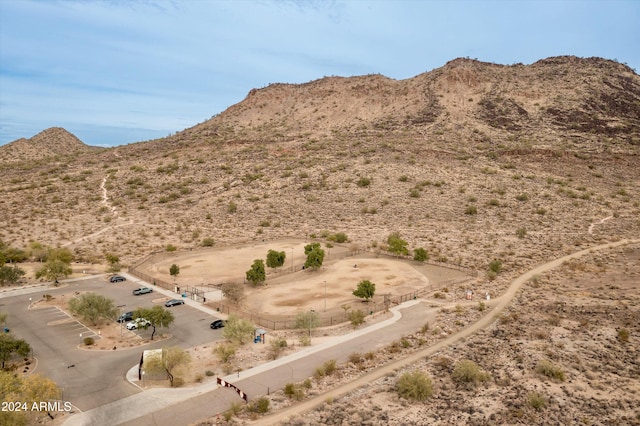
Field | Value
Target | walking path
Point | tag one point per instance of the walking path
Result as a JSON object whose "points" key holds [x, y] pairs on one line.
{"points": [[181, 406]]}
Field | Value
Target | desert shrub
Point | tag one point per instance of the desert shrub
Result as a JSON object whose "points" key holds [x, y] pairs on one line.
{"points": [[277, 345], [415, 385], [554, 320], [260, 405], [209, 373], [232, 207], [414, 193], [88, 341], [420, 255], [208, 242], [403, 178], [307, 384], [521, 232], [364, 182], [330, 367], [481, 306], [319, 373], [425, 327], [225, 352], [199, 378], [623, 335], [355, 358], [522, 197], [536, 400], [293, 391], [177, 382], [405, 343], [305, 340], [471, 210], [338, 237], [547, 369], [469, 374], [356, 317], [495, 266], [170, 248]]}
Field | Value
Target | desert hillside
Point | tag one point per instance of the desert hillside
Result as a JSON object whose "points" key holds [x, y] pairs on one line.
{"points": [[51, 142], [472, 161], [479, 164]]}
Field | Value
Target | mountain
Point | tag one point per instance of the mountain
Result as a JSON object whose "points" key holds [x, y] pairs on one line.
{"points": [[51, 142], [484, 102]]}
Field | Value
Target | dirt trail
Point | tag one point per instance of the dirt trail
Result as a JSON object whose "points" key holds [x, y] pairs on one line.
{"points": [[593, 225], [497, 305], [107, 203]]}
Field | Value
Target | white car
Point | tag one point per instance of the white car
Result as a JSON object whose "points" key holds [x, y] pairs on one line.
{"points": [[138, 322]]}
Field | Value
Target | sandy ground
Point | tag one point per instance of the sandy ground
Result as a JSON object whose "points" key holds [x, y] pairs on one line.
{"points": [[286, 292]]}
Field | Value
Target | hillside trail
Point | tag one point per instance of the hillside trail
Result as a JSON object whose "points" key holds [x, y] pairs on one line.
{"points": [[497, 304], [602, 221], [106, 201]]}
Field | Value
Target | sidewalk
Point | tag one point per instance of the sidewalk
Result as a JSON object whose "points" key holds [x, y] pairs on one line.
{"points": [[184, 405]]}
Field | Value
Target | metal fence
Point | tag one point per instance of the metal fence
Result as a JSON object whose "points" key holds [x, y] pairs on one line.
{"points": [[327, 318]]}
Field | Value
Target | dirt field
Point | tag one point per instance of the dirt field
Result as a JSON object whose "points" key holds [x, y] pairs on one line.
{"points": [[286, 292]]}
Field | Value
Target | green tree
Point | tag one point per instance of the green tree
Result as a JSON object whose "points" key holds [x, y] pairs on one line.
{"points": [[174, 270], [256, 275], [307, 320], [238, 330], [10, 346], [10, 274], [420, 255], [315, 255], [366, 289], [157, 316], [172, 358], [37, 251], [54, 269], [34, 388], [62, 254], [396, 244], [275, 258], [114, 262], [93, 307]]}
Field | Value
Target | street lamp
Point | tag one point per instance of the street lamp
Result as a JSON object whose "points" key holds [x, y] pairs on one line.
{"points": [[325, 296]]}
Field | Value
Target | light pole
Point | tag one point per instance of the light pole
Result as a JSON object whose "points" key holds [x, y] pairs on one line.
{"points": [[325, 296], [310, 316]]}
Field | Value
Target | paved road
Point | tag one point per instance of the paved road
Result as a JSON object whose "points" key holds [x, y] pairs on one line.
{"points": [[55, 346], [181, 406]]}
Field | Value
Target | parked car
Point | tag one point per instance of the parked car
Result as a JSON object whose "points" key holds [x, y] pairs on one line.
{"points": [[127, 316], [173, 302], [217, 324], [142, 290], [117, 279], [138, 323]]}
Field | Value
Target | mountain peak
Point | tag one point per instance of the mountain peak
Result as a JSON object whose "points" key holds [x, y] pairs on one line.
{"points": [[50, 142]]}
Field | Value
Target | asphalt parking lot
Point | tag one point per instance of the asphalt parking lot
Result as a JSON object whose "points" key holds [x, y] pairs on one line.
{"points": [[92, 378]]}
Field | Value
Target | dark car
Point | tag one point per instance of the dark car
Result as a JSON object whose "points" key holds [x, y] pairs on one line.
{"points": [[127, 316], [173, 302], [217, 324], [117, 279], [142, 290]]}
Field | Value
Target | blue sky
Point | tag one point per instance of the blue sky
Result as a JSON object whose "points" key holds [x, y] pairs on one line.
{"points": [[119, 71]]}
